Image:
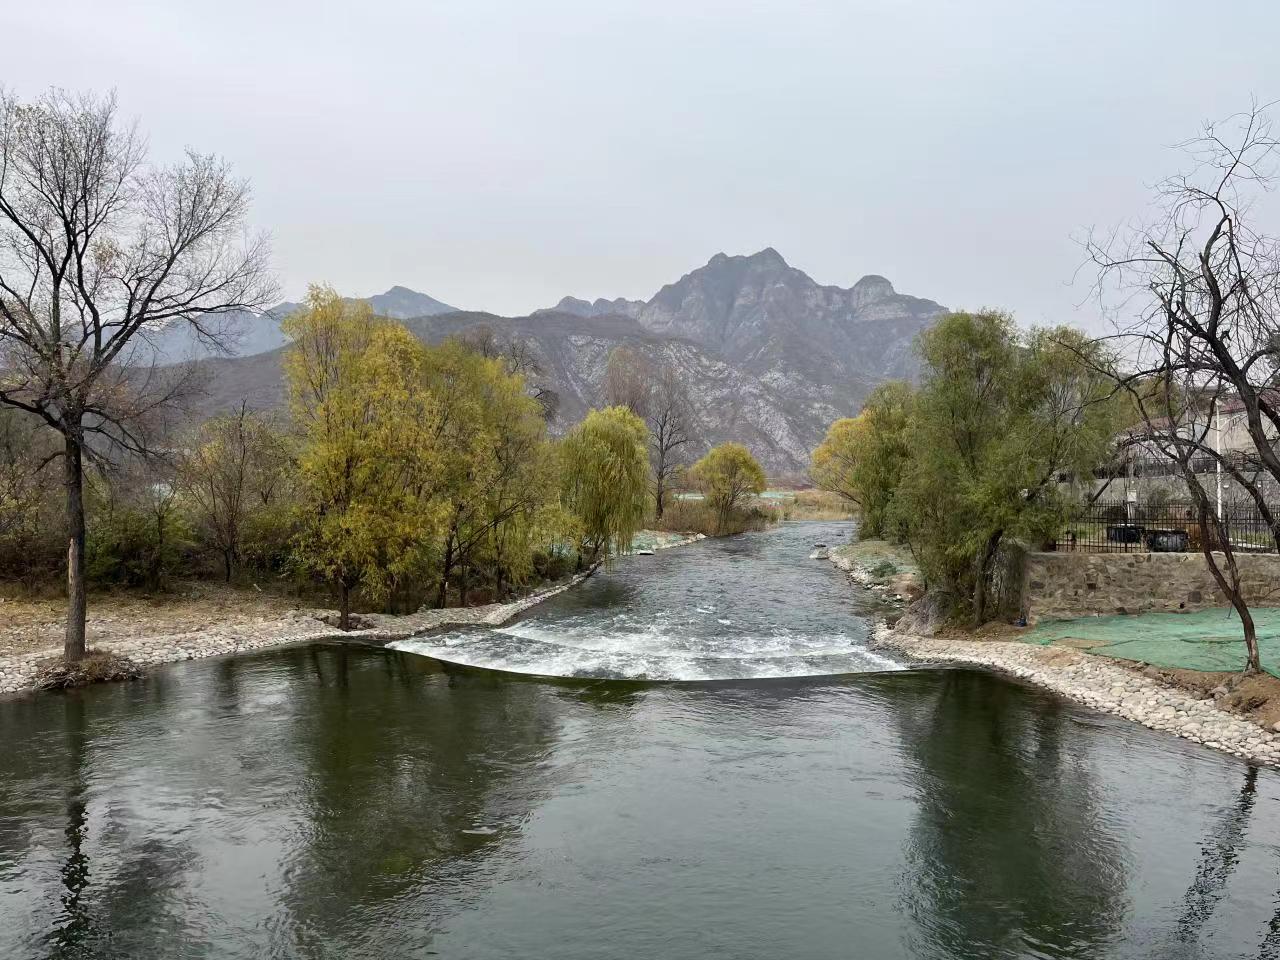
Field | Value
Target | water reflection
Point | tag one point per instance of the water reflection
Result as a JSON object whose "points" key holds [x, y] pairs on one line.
{"points": [[1218, 857], [364, 792], [407, 786], [1011, 851], [338, 801]]}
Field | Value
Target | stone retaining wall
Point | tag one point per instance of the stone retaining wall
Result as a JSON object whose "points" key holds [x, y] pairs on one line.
{"points": [[1061, 586]]}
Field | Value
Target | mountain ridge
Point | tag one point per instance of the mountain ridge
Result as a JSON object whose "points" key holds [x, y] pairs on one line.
{"points": [[770, 357]]}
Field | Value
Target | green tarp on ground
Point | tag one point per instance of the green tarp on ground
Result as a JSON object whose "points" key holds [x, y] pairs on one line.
{"points": [[1204, 640]]}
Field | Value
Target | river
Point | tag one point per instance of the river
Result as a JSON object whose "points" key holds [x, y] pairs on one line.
{"points": [[333, 800]]}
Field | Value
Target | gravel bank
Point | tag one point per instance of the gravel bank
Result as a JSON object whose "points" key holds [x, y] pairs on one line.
{"points": [[1097, 682], [147, 644], [1103, 685], [18, 670]]}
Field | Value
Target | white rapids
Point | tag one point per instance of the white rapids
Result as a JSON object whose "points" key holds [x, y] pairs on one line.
{"points": [[745, 607]]}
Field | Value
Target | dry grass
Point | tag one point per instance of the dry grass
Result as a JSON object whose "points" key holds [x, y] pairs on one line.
{"points": [[816, 505], [694, 516], [94, 667]]}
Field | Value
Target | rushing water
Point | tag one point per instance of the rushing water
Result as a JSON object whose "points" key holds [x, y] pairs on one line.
{"points": [[738, 608], [334, 801]]}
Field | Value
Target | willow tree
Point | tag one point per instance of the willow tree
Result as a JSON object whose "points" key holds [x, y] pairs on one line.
{"points": [[605, 465], [497, 478], [998, 417], [861, 458], [370, 446], [99, 249], [727, 476]]}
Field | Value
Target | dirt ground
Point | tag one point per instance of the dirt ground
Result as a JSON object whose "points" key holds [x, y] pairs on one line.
{"points": [[1256, 697], [33, 623]]}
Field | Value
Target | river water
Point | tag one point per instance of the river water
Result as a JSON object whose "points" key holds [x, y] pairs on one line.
{"points": [[351, 802]]}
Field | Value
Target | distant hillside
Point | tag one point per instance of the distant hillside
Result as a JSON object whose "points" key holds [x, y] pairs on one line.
{"points": [[246, 334], [770, 356]]}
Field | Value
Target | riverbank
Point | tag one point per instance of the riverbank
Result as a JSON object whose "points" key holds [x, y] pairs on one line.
{"points": [[1157, 699], [168, 632], [211, 621]]}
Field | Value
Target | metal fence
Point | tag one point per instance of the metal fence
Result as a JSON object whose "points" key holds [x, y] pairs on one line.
{"points": [[1168, 527]]}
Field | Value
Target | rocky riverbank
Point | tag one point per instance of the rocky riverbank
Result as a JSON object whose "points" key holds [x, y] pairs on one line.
{"points": [[212, 623], [143, 644], [1112, 686], [1103, 684]]}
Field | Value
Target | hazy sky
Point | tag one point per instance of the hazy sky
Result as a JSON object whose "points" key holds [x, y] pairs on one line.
{"points": [[499, 155]]}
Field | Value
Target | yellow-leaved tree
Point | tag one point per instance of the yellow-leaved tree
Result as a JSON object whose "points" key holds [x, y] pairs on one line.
{"points": [[727, 476], [358, 390], [862, 458], [497, 485]]}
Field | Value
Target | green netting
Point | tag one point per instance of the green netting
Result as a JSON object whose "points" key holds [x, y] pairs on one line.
{"points": [[1204, 640]]}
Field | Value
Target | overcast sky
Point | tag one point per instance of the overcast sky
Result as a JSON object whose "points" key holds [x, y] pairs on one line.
{"points": [[498, 155]]}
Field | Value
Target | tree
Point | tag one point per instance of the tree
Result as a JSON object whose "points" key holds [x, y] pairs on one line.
{"points": [[370, 446], [1200, 290], [494, 477], [99, 249], [670, 418], [727, 475], [235, 470], [605, 469], [627, 378], [998, 418], [862, 458], [519, 358]]}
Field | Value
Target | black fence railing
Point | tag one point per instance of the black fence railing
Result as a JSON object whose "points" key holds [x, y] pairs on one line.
{"points": [[1166, 527]]}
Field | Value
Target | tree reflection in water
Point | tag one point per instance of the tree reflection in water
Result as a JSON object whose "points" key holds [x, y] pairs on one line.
{"points": [[1219, 854], [1010, 853], [407, 785]]}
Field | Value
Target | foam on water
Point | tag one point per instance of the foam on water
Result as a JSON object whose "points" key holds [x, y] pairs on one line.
{"points": [[742, 608]]}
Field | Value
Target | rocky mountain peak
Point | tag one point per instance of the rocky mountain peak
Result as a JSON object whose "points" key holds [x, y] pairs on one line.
{"points": [[401, 303], [768, 257], [872, 287]]}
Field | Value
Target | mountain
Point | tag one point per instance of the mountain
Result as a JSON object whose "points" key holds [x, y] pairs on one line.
{"points": [[599, 308], [246, 334], [401, 303], [770, 356]]}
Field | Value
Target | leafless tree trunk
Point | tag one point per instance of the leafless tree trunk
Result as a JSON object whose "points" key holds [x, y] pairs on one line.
{"points": [[670, 429], [98, 252], [1203, 288], [77, 604], [627, 379]]}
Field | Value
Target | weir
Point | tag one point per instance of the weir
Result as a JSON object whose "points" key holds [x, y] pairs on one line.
{"points": [[745, 607]]}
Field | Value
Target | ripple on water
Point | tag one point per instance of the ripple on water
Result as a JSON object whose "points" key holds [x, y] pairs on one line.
{"points": [[746, 607]]}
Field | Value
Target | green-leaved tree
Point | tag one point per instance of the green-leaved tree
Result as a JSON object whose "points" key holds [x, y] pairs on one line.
{"points": [[727, 476], [605, 469]]}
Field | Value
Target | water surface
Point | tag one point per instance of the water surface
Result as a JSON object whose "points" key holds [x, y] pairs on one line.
{"points": [[742, 607], [334, 801]]}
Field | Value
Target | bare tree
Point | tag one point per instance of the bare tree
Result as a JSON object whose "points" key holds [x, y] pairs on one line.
{"points": [[627, 379], [519, 358], [670, 430], [1202, 286], [98, 251], [1173, 421], [235, 468]]}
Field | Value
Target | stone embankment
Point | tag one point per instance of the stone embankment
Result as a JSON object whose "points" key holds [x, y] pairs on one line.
{"points": [[1106, 685], [1102, 684]]}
